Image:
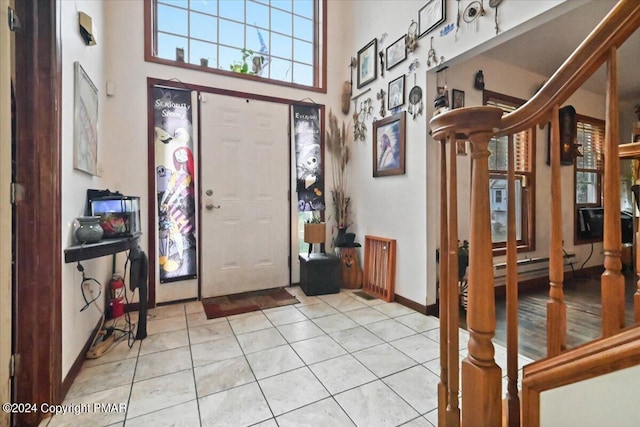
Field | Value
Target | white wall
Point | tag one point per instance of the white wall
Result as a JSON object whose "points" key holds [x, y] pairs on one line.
{"points": [[607, 400], [77, 326]]}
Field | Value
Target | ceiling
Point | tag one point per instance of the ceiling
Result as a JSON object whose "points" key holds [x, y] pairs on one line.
{"points": [[543, 49]]}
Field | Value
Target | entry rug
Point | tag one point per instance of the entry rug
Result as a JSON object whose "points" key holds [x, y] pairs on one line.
{"points": [[229, 305]]}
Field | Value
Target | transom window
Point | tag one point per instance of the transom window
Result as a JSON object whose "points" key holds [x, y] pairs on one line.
{"points": [[273, 39], [523, 147]]}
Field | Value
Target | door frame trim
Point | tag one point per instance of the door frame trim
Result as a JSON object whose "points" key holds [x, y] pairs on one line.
{"points": [[38, 282], [151, 231]]}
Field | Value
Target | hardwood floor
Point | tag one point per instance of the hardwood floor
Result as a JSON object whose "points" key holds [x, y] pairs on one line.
{"points": [[582, 297]]}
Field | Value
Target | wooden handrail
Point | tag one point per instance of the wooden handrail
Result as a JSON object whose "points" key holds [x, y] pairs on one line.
{"points": [[481, 377], [613, 30], [590, 360]]}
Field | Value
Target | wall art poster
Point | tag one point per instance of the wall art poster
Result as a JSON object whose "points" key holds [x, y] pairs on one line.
{"points": [[175, 186], [309, 165], [85, 131]]}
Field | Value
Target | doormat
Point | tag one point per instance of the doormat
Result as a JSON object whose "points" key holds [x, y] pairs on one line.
{"points": [[364, 295], [229, 305]]}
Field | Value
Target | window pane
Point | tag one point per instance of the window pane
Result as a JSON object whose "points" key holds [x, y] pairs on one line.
{"points": [[232, 10], [302, 218], [200, 49], [302, 74], [281, 22], [303, 52], [257, 14], [172, 20], [254, 43], [167, 45], [303, 28], [498, 197], [280, 69], [281, 46], [206, 6], [228, 56], [204, 27], [498, 158], [303, 7], [282, 4], [179, 3], [231, 33], [587, 188]]}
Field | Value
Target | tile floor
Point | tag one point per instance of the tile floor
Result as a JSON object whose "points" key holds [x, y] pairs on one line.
{"points": [[331, 360]]}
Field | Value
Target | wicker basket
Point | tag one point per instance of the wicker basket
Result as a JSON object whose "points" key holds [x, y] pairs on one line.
{"points": [[315, 232]]}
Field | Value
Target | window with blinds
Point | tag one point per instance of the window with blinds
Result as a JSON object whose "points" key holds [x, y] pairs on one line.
{"points": [[589, 165], [524, 179]]}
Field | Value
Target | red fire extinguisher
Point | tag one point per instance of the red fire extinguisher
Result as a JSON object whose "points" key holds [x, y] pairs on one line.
{"points": [[116, 302]]}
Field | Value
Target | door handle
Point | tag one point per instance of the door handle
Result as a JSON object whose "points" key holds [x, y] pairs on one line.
{"points": [[210, 206]]}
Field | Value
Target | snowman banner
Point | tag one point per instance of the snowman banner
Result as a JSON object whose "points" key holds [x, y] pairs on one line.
{"points": [[175, 186], [309, 166]]}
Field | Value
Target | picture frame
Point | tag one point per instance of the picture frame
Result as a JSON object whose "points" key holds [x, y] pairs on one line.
{"points": [[368, 63], [396, 52], [85, 122], [457, 98], [389, 145], [430, 16], [395, 93]]}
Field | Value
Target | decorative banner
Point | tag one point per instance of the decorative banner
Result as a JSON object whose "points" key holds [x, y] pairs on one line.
{"points": [[175, 177], [309, 175]]}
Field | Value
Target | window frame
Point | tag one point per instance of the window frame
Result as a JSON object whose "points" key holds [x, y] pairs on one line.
{"points": [[600, 177], [319, 52], [528, 178]]}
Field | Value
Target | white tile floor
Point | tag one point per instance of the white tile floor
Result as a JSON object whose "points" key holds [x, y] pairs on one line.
{"points": [[332, 360]]}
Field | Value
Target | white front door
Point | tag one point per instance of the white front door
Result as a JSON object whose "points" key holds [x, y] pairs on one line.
{"points": [[244, 199]]}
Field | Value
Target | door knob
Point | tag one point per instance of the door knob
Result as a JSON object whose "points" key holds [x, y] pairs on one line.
{"points": [[210, 206], [209, 192]]}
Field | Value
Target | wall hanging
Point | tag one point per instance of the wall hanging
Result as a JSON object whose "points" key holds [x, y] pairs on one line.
{"points": [[430, 16], [396, 93], [389, 146], [367, 63], [412, 36], [175, 184], [397, 52], [85, 122], [309, 161]]}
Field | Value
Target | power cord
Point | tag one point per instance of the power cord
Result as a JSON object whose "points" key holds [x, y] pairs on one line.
{"points": [[90, 281]]}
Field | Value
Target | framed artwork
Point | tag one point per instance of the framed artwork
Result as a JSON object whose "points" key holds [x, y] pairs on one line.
{"points": [[396, 93], [458, 98], [389, 145], [85, 122], [430, 16], [367, 63], [397, 52]]}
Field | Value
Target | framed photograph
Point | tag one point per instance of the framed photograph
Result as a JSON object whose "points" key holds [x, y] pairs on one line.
{"points": [[85, 122], [397, 52], [458, 98], [388, 145], [396, 93], [368, 63], [430, 16]]}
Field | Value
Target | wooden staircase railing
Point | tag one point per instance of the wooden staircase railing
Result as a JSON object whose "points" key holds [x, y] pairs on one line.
{"points": [[481, 376]]}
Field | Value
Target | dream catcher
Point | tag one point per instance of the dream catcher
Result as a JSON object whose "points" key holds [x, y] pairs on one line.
{"points": [[415, 94], [494, 5], [432, 56], [472, 12], [412, 37]]}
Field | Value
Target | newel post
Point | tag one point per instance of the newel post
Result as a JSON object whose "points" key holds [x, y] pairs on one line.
{"points": [[481, 376]]}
